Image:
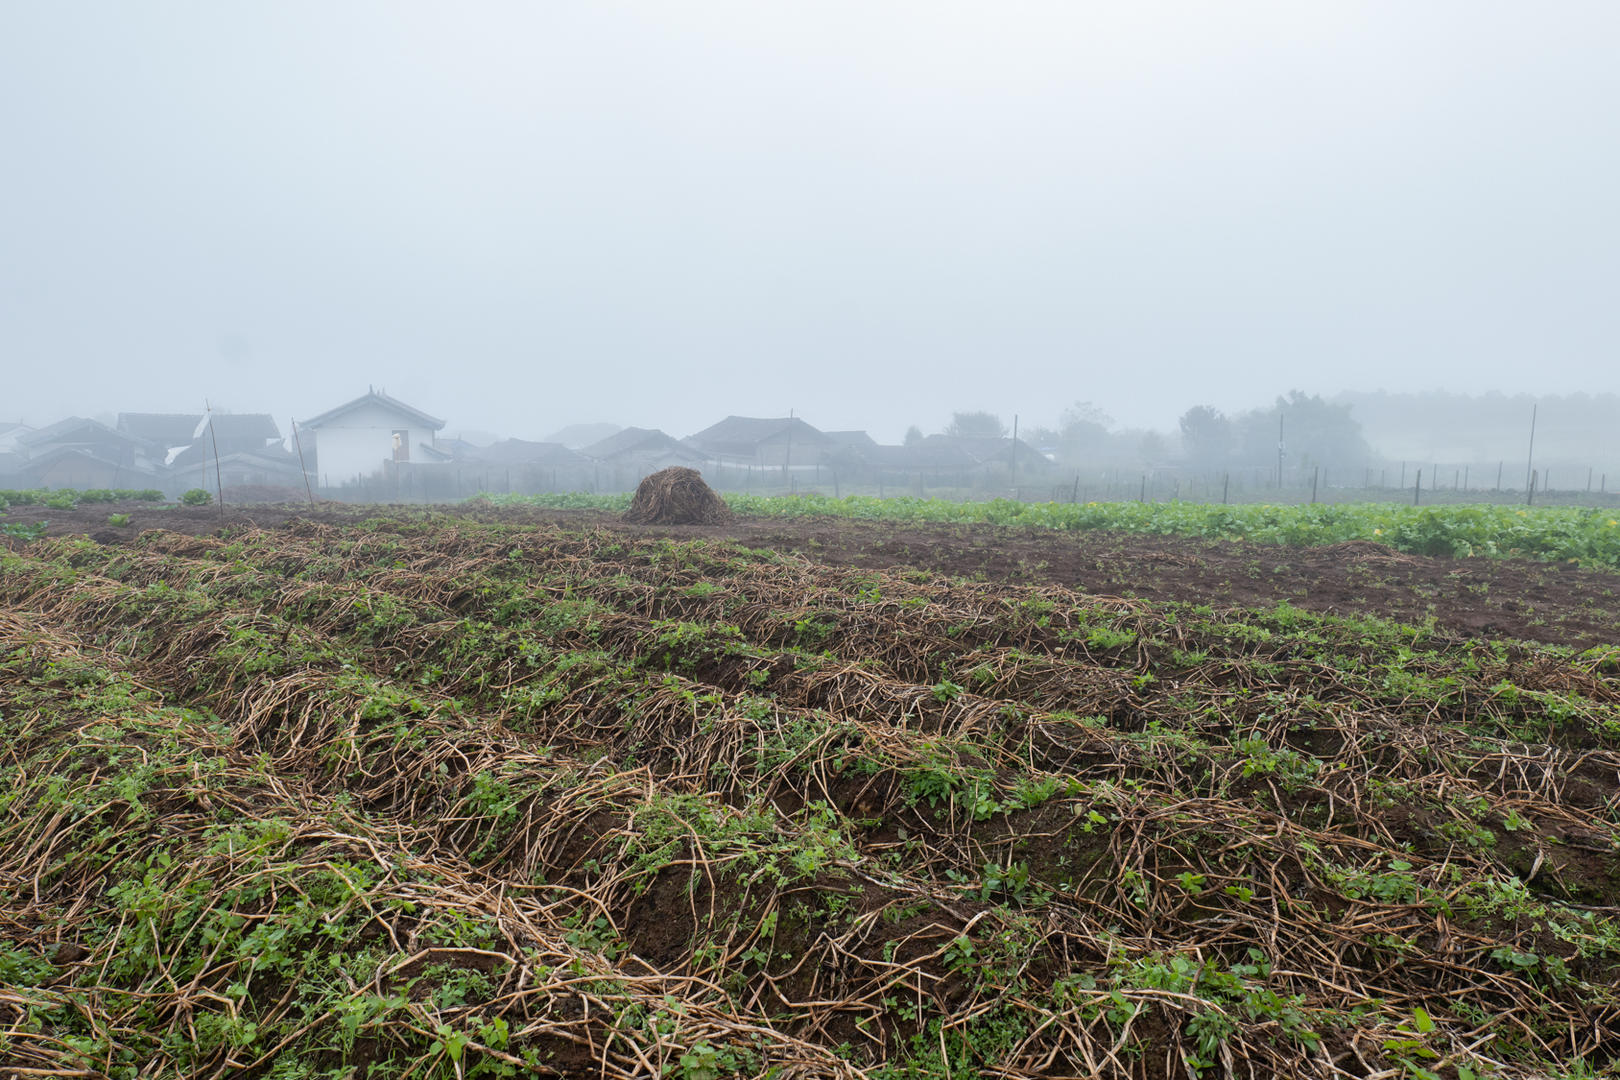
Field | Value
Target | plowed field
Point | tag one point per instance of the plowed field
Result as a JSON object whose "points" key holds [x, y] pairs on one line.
{"points": [[537, 793]]}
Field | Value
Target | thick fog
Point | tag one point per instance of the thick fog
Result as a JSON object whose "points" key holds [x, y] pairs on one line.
{"points": [[517, 216]]}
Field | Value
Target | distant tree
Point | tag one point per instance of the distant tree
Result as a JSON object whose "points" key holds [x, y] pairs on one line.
{"points": [[976, 425], [1084, 412], [1083, 433], [1206, 435], [1041, 437], [914, 435], [1153, 448], [1314, 432]]}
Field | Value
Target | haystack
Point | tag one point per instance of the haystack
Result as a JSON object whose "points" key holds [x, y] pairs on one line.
{"points": [[676, 496]]}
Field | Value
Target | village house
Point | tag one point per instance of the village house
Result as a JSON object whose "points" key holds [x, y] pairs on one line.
{"points": [[228, 432], [83, 454], [11, 458], [515, 452], [992, 453], [454, 468], [950, 461], [268, 466], [10, 433], [91, 436], [642, 450], [360, 438], [166, 430], [628, 456], [850, 450], [749, 440]]}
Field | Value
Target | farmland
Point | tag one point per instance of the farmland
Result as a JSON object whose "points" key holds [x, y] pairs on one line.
{"points": [[501, 791], [1590, 535]]}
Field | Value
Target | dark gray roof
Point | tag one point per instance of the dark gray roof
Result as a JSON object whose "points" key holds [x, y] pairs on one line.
{"points": [[523, 452], [635, 440], [73, 429], [859, 440], [579, 436], [922, 455], [165, 429], [202, 451], [239, 428], [375, 397], [987, 451], [38, 463], [272, 457], [447, 449], [743, 435]]}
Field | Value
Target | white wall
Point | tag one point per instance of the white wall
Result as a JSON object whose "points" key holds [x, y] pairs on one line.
{"points": [[357, 443]]}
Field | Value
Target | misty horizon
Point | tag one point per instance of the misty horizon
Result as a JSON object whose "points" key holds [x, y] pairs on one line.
{"points": [[521, 218]]}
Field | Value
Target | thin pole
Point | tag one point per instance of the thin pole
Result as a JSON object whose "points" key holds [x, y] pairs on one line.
{"points": [[1417, 488], [1530, 455], [1530, 497], [1315, 476], [219, 481], [1279, 448], [1012, 468], [299, 443], [1226, 487]]}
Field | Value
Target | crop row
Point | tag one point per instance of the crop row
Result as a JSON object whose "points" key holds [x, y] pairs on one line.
{"points": [[872, 821], [1586, 535], [68, 498]]}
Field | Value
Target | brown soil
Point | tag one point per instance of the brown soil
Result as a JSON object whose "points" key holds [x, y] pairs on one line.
{"points": [[1554, 603], [1228, 799]]}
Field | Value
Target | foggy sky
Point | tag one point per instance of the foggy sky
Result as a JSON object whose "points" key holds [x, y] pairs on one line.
{"points": [[520, 215]]}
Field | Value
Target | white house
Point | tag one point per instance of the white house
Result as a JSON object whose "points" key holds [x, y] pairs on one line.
{"points": [[358, 438]]}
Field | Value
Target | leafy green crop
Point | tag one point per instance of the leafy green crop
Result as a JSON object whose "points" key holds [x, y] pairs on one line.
{"points": [[1587, 535], [67, 499]]}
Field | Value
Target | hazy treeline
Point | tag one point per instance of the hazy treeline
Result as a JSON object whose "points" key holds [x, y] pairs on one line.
{"points": [[1353, 437], [1571, 429]]}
